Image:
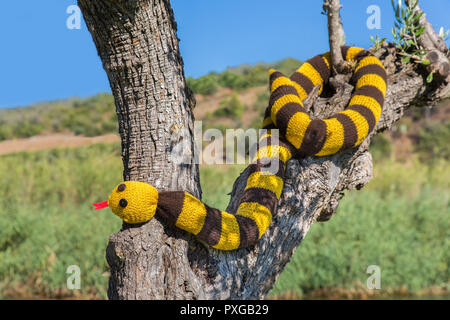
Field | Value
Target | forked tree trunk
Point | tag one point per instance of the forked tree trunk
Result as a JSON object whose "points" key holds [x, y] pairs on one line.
{"points": [[137, 43]]}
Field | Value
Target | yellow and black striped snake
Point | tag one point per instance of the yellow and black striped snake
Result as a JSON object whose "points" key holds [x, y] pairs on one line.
{"points": [[138, 202]]}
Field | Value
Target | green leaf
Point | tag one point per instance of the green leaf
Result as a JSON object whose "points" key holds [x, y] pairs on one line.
{"points": [[430, 77], [418, 16], [394, 34], [397, 13], [425, 62], [420, 31], [403, 14], [406, 59]]}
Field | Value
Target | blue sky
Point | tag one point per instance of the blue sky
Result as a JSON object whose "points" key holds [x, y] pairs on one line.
{"points": [[42, 60]]}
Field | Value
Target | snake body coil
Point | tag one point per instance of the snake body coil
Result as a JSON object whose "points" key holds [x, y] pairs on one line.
{"points": [[137, 202]]}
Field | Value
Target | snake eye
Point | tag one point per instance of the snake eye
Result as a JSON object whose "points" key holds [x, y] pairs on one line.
{"points": [[123, 203], [121, 187]]}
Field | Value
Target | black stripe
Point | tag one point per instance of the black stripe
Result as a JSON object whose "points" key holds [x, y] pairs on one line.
{"points": [[361, 55], [262, 196], [170, 204], [285, 114], [303, 81], [372, 92], [266, 165], [270, 126], [350, 132], [319, 64], [275, 76], [344, 51], [369, 69], [314, 138], [248, 231], [366, 113], [281, 91], [212, 228]]}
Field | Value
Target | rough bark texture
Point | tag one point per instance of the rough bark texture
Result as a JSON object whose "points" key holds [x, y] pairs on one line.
{"points": [[437, 51], [137, 43], [336, 36]]}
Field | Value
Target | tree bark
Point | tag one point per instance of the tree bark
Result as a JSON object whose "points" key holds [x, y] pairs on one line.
{"points": [[138, 45], [336, 36], [136, 40], [437, 51]]}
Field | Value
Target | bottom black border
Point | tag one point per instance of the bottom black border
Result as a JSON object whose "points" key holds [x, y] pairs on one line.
{"points": [[265, 309]]}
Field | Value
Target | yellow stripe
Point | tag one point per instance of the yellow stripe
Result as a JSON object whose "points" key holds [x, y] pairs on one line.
{"points": [[267, 121], [327, 58], [372, 80], [267, 181], [258, 213], [267, 134], [273, 151], [352, 52], [309, 71], [368, 61], [192, 216], [301, 92], [296, 128], [368, 102], [280, 81], [229, 236], [281, 102], [362, 127], [335, 137]]}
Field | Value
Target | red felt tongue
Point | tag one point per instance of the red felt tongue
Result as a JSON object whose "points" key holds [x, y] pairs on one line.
{"points": [[100, 205]]}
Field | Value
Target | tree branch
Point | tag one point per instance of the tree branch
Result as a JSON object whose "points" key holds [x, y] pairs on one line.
{"points": [[437, 50], [336, 36]]}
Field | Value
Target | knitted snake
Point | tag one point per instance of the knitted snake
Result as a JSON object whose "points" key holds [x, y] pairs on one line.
{"points": [[300, 136]]}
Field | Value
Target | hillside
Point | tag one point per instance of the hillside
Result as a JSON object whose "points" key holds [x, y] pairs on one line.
{"points": [[235, 98]]}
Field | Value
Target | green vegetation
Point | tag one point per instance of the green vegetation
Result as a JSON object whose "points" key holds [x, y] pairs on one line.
{"points": [[96, 115], [205, 85], [91, 117], [47, 219], [380, 147], [399, 222], [406, 32], [241, 77], [230, 107], [433, 142]]}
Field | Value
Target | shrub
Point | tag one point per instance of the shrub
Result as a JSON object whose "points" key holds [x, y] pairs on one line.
{"points": [[205, 85], [380, 147], [433, 142], [232, 80], [231, 107]]}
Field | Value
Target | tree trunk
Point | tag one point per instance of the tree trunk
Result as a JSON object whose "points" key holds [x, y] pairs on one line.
{"points": [[136, 40], [138, 45]]}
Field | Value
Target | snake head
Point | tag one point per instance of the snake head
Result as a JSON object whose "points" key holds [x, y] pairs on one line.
{"points": [[132, 201]]}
